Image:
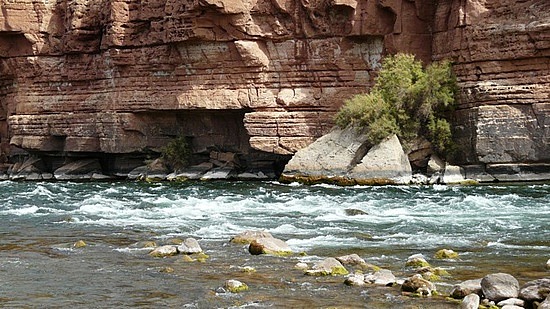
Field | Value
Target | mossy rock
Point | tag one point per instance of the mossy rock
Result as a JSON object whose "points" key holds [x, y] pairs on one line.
{"points": [[80, 244], [235, 286], [201, 257], [167, 270], [441, 272], [329, 266], [446, 254], [187, 258], [339, 271], [149, 244], [368, 266], [430, 276], [417, 263]]}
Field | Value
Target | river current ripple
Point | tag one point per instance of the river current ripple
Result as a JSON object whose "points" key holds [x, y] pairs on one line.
{"points": [[495, 228]]}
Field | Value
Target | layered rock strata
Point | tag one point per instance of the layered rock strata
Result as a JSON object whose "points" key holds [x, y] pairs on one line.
{"points": [[119, 77], [501, 51], [115, 80]]}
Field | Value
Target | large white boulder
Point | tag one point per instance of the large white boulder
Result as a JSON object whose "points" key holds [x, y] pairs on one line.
{"points": [[344, 156]]}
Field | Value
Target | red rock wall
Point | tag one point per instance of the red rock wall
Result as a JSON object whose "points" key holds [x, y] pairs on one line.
{"points": [[502, 53], [110, 76], [83, 69]]}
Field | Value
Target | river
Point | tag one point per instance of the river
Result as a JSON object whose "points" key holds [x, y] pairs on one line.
{"points": [[495, 228]]}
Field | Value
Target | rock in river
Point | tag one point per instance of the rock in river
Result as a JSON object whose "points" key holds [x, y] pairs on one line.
{"points": [[417, 284], [471, 301], [269, 245], [247, 237], [189, 246], [499, 286], [465, 288], [164, 251], [328, 266], [535, 290]]}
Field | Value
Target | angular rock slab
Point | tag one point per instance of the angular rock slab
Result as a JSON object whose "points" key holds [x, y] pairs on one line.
{"points": [[343, 155], [386, 160], [333, 154]]}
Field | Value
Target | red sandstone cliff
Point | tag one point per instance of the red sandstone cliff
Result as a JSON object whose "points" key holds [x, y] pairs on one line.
{"points": [[258, 77]]}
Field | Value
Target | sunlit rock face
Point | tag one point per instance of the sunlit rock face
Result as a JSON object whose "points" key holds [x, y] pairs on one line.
{"points": [[502, 53], [261, 78]]}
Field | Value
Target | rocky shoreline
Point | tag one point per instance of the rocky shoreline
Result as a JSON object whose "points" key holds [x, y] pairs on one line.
{"points": [[418, 280], [342, 157]]}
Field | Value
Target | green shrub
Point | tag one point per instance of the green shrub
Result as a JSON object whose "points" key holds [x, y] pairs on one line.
{"points": [[406, 100], [177, 152]]}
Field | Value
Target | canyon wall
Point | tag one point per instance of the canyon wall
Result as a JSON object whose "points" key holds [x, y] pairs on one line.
{"points": [[260, 78], [501, 51]]}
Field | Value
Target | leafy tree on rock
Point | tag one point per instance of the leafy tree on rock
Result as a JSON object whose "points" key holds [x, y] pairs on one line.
{"points": [[407, 100]]}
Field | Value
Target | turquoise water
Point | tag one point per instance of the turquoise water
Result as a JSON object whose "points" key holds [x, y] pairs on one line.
{"points": [[497, 228]]}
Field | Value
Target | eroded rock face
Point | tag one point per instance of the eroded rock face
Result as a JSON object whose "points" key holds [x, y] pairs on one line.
{"points": [[501, 50], [261, 78]]}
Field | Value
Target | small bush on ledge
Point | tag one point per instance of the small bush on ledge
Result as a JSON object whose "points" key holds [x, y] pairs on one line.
{"points": [[177, 153], [406, 100]]}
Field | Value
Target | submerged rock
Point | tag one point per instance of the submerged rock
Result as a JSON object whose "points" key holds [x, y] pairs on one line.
{"points": [[499, 286], [466, 287], [548, 264], [328, 266], [471, 301], [269, 245], [247, 237], [355, 212]]}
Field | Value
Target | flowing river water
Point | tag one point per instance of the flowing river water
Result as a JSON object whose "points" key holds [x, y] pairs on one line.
{"points": [[495, 228]]}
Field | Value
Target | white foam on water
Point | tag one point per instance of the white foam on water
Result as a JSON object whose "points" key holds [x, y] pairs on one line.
{"points": [[22, 211], [288, 229], [321, 241], [41, 190]]}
